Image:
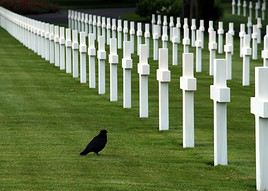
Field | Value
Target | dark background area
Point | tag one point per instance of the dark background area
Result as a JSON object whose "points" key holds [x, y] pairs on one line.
{"points": [[199, 9]]}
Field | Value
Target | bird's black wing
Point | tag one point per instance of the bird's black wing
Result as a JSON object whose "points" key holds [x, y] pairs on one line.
{"points": [[90, 147]]}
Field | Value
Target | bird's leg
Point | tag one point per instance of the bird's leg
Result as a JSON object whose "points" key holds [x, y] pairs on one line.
{"points": [[97, 154]]}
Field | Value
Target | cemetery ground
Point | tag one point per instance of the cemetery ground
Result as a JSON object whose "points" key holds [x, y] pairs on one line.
{"points": [[47, 117]]}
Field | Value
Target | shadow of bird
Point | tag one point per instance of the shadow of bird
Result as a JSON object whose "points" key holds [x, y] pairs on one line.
{"points": [[96, 144]]}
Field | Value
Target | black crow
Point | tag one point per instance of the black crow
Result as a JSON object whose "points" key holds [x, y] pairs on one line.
{"points": [[96, 144]]}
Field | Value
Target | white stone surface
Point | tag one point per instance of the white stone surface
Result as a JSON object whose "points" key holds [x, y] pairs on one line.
{"points": [[76, 21], [94, 26], [132, 36], [220, 38], [259, 107], [165, 37], [255, 43], [210, 26], [127, 66], [186, 40], [163, 77], [185, 23], [263, 10], [68, 45], [101, 64], [231, 29], [202, 30], [264, 53], [165, 22], [246, 61], [159, 19], [259, 27], [108, 30], [103, 27], [212, 51], [188, 86], [62, 48], [159, 24], [114, 28], [113, 60], [193, 32], [175, 42], [241, 36], [43, 40], [82, 22], [86, 23], [51, 45], [139, 37], [98, 26], [171, 25], [220, 94], [70, 19], [47, 41], [153, 21], [257, 10], [249, 26], [83, 57], [79, 21], [155, 41], [233, 7], [178, 25], [90, 23], [91, 61], [119, 33], [238, 7], [244, 8], [144, 71], [125, 31], [57, 46], [198, 47], [147, 36], [75, 48], [250, 9], [228, 49]]}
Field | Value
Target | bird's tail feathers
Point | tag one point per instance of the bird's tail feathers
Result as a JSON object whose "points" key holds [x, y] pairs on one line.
{"points": [[83, 153]]}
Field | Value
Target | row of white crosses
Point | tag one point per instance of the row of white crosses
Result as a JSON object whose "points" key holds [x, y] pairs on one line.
{"points": [[187, 39], [21, 28], [79, 47], [79, 21], [174, 34], [63, 48], [197, 37], [126, 61], [228, 48], [195, 40], [219, 93], [237, 5], [172, 25], [245, 48], [52, 44], [127, 76], [110, 28], [250, 26], [24, 30]]}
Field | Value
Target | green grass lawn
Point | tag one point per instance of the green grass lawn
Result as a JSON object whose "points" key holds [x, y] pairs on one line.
{"points": [[47, 117]]}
